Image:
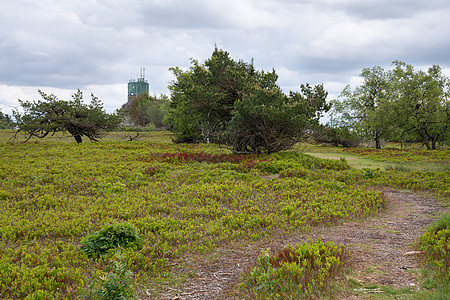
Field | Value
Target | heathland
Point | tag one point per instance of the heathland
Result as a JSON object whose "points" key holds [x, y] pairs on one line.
{"points": [[185, 202]]}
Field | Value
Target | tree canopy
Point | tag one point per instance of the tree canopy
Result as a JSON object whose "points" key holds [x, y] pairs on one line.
{"points": [[228, 102], [358, 108], [145, 109], [418, 104], [401, 104], [5, 121], [50, 115]]}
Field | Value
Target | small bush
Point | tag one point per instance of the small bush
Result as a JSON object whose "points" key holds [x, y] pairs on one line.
{"points": [[368, 173], [334, 164], [116, 285], [435, 244], [297, 172], [305, 271], [110, 237]]}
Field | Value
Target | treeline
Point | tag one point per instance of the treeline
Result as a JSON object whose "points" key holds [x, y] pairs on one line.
{"points": [[144, 112], [401, 104], [229, 102]]}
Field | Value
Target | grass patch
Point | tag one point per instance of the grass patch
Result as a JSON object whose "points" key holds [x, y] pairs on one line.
{"points": [[435, 244], [182, 199], [354, 161], [302, 271], [394, 155]]}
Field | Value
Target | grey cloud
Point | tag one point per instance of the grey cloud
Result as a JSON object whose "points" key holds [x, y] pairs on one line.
{"points": [[389, 9], [73, 44], [198, 14]]}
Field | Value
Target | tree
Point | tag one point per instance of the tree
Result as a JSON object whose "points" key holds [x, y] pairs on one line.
{"points": [[358, 110], [203, 97], [230, 103], [50, 115], [401, 104], [267, 120], [336, 136], [5, 121], [419, 103], [145, 109]]}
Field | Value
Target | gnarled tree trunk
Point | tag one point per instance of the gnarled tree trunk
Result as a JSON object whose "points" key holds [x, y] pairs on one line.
{"points": [[75, 134]]}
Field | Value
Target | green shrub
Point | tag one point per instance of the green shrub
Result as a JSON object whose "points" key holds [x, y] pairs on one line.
{"points": [[435, 244], [336, 136], [334, 164], [116, 285], [368, 173], [110, 237], [305, 271]]}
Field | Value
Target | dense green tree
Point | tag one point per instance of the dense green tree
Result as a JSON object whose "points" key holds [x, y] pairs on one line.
{"points": [[418, 103], [203, 97], [230, 103], [401, 104], [267, 120], [50, 115], [358, 110], [145, 109], [336, 136]]}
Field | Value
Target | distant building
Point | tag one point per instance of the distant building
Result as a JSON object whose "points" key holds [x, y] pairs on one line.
{"points": [[137, 87]]}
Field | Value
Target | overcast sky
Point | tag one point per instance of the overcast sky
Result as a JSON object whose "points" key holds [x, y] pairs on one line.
{"points": [[99, 45]]}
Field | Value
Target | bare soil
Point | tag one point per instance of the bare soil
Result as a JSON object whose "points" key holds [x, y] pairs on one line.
{"points": [[381, 247]]}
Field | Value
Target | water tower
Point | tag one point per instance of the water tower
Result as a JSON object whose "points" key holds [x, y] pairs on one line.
{"points": [[137, 87]]}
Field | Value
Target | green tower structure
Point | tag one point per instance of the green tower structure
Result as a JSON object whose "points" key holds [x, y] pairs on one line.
{"points": [[137, 87]]}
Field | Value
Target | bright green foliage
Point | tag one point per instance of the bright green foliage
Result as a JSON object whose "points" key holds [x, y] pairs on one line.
{"points": [[358, 110], [305, 271], [116, 285], [182, 199], [435, 243], [230, 103], [111, 237], [144, 110], [31, 269], [400, 105], [41, 118], [415, 181]]}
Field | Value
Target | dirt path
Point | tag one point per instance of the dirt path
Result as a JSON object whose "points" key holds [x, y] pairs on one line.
{"points": [[382, 248], [379, 247]]}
